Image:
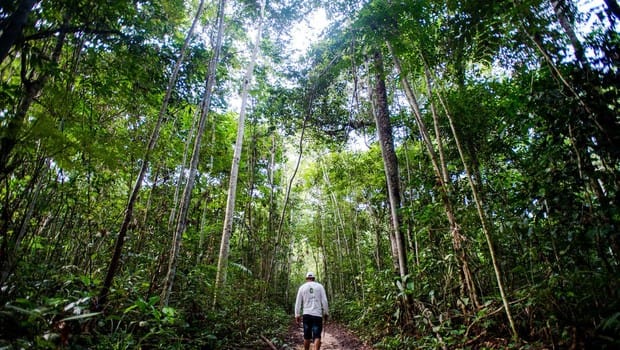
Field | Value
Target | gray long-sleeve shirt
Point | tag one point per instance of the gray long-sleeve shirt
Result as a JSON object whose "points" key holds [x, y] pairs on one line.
{"points": [[311, 300]]}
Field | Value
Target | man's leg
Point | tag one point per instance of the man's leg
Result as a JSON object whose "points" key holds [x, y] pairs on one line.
{"points": [[317, 329], [307, 332]]}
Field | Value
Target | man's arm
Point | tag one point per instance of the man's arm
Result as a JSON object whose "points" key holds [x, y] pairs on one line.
{"points": [[324, 304], [298, 307]]}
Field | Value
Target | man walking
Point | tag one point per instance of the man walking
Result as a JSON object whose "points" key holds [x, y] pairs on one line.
{"points": [[311, 302]]}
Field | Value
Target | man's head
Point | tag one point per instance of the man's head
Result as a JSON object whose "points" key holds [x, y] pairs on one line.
{"points": [[310, 276]]}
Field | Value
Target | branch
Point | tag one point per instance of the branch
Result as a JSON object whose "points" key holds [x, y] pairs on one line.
{"points": [[51, 32], [268, 342]]}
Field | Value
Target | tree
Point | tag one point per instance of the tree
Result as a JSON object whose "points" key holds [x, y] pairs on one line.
{"points": [[120, 240], [501, 142], [390, 161], [232, 186], [13, 26], [205, 106]]}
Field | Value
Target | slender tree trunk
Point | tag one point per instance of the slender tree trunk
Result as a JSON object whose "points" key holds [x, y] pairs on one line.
{"points": [[33, 85], [189, 185], [247, 243], [608, 130], [265, 263], [289, 186], [339, 228], [483, 220], [613, 7], [458, 238], [203, 224], [120, 239], [13, 27], [11, 244], [407, 202], [411, 236], [559, 7], [390, 161], [222, 263], [177, 189], [438, 137], [376, 227]]}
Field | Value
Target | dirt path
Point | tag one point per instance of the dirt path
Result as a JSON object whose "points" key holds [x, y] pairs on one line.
{"points": [[335, 337]]}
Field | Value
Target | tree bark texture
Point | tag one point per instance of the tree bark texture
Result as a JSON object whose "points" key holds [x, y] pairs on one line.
{"points": [[390, 161]]}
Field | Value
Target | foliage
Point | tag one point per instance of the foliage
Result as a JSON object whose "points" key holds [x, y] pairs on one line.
{"points": [[525, 128]]}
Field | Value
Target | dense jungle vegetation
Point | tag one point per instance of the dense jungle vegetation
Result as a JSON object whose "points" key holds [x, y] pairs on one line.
{"points": [[170, 169]]}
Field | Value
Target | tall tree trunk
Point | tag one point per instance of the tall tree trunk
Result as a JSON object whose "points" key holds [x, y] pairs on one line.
{"points": [[222, 263], [120, 239], [458, 238], [191, 178], [608, 129], [559, 7], [289, 186], [376, 228], [203, 229], [10, 244], [483, 220], [265, 263], [411, 237], [613, 7], [177, 189], [390, 161], [467, 285], [249, 245], [33, 85], [13, 27]]}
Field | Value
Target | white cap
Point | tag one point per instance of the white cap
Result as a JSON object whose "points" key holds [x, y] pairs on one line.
{"points": [[310, 275]]}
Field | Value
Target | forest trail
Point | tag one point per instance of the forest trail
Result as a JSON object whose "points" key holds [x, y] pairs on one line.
{"points": [[335, 337]]}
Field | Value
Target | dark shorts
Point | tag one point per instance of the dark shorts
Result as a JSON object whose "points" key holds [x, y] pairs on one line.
{"points": [[313, 327]]}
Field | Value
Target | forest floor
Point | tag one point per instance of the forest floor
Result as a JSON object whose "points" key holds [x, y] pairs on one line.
{"points": [[335, 337]]}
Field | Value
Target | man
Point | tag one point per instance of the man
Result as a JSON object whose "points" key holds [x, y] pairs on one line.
{"points": [[312, 300]]}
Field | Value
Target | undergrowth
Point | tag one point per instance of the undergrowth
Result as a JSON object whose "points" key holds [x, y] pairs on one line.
{"points": [[60, 313], [543, 317]]}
